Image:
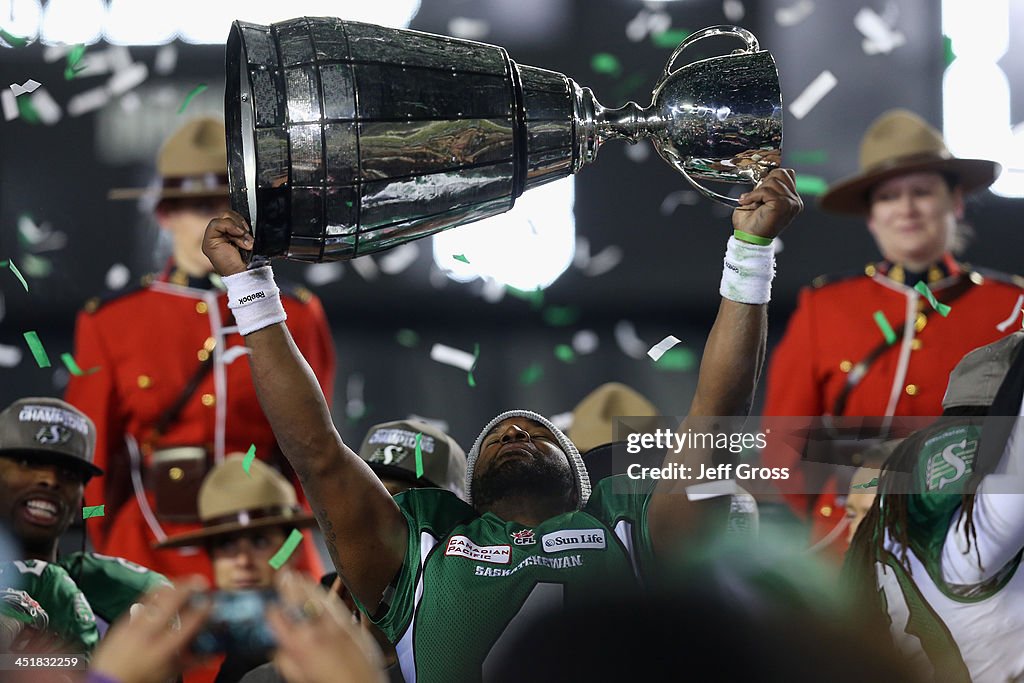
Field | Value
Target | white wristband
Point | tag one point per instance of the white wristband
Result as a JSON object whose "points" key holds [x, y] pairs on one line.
{"points": [[748, 272], [254, 299]]}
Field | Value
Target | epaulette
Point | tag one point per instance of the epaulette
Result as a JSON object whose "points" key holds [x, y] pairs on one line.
{"points": [[97, 302], [832, 278], [979, 275], [295, 291]]}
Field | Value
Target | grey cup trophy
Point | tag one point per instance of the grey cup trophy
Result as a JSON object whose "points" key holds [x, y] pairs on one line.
{"points": [[346, 139]]}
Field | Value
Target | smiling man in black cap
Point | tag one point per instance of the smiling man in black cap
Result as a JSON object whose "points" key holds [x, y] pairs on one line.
{"points": [[46, 451]]}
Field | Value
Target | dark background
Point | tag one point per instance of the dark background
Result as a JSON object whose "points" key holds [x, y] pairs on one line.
{"points": [[666, 283]]}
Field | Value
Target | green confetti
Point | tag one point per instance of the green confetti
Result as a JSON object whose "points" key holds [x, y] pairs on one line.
{"points": [[74, 57], [531, 375], [947, 50], [940, 308], [188, 98], [290, 544], [250, 455], [606, 63], [419, 456], [670, 39], [536, 297], [808, 157], [628, 87], [460, 257], [407, 338], [27, 111], [564, 353], [885, 327], [470, 380], [676, 359], [36, 347], [810, 184], [92, 511], [560, 316], [37, 266], [17, 273], [72, 366], [12, 40], [867, 485]]}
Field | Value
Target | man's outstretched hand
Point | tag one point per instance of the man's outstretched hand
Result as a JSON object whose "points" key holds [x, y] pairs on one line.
{"points": [[224, 236], [767, 209]]}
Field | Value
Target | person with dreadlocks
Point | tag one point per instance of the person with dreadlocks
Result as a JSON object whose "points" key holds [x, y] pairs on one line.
{"points": [[941, 545], [433, 571]]}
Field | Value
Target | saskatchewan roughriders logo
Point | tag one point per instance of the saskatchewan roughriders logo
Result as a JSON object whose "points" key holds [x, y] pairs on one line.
{"points": [[951, 464], [524, 537]]}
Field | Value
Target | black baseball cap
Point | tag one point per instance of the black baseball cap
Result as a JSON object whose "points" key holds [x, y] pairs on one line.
{"points": [[48, 428]]}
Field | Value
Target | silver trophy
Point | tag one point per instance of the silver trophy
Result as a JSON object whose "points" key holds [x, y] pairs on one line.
{"points": [[346, 139]]}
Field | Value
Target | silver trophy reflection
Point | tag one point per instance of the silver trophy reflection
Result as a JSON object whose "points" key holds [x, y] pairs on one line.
{"points": [[345, 139]]}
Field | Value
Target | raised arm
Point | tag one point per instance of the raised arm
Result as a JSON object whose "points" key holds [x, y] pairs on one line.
{"points": [[365, 531], [733, 356]]}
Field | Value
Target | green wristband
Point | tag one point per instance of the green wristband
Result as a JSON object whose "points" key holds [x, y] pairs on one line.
{"points": [[752, 239]]}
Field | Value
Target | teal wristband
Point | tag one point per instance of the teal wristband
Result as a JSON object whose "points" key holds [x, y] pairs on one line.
{"points": [[752, 239]]}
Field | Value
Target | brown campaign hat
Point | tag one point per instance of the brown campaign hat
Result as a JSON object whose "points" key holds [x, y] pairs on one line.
{"points": [[900, 142], [44, 427], [593, 417], [193, 162], [232, 500], [389, 449], [977, 377]]}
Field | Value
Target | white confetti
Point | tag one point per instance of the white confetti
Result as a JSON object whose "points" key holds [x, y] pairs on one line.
{"points": [[670, 203], [492, 291], [451, 356], [628, 341], [879, 37], [8, 104], [320, 274], [10, 356], [812, 94], [794, 14], [93, 64], [1005, 325], [585, 342], [562, 420], [366, 267], [49, 111], [27, 87], [638, 152], [118, 58], [603, 261], [658, 350], [733, 10], [118, 276], [581, 256], [52, 53], [131, 102], [166, 60], [354, 404], [88, 100], [469, 29], [400, 258], [126, 79]]}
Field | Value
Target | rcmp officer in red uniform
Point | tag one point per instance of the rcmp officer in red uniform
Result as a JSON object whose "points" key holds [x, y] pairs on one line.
{"points": [[834, 359], [173, 393]]}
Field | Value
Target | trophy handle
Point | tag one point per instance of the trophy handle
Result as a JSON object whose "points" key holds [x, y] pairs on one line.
{"points": [[710, 194], [720, 30]]}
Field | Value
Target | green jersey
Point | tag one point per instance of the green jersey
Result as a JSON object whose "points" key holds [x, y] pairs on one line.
{"points": [[471, 582], [70, 616], [111, 584]]}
